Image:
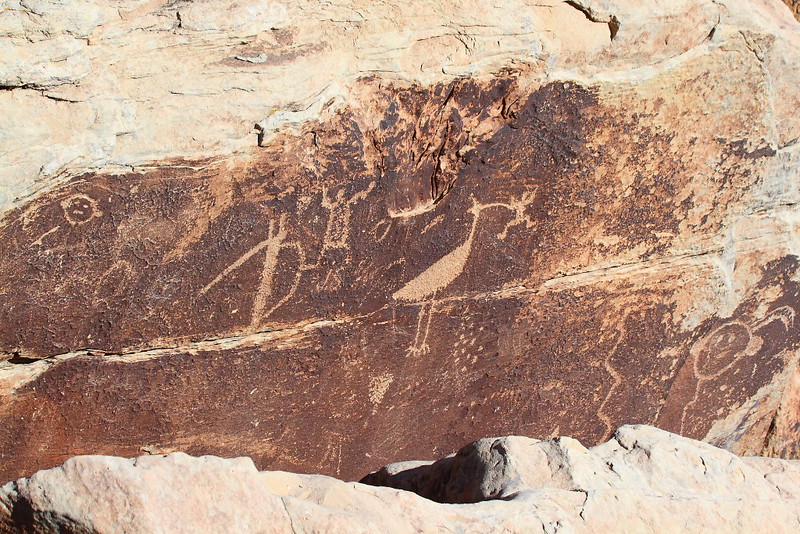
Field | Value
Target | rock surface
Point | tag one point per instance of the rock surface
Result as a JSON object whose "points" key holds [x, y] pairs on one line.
{"points": [[642, 480], [794, 5], [287, 229]]}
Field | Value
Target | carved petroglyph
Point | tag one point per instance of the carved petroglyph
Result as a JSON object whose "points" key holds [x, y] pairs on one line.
{"points": [[420, 345], [449, 267], [337, 233], [720, 349], [217, 199], [621, 332], [333, 453], [275, 242], [378, 386], [79, 209], [338, 228], [301, 268], [438, 276], [518, 206], [38, 241], [381, 229], [465, 346], [432, 224], [235, 265]]}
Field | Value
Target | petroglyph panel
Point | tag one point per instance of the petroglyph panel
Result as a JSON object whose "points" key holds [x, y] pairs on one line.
{"points": [[292, 236], [504, 255], [529, 363]]}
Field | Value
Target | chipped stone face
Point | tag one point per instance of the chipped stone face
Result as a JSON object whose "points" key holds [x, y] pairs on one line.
{"points": [[523, 247]]}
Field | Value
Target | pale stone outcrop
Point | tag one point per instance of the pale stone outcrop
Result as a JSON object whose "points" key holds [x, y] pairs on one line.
{"points": [[643, 480], [134, 82]]}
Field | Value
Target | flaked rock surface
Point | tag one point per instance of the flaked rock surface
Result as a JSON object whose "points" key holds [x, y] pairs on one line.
{"points": [[325, 235], [642, 480]]}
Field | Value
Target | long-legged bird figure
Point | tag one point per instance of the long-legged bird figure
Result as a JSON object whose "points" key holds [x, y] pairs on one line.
{"points": [[436, 277]]}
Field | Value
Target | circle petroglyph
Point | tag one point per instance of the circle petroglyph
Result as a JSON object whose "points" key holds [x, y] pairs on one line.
{"points": [[79, 209], [721, 348]]}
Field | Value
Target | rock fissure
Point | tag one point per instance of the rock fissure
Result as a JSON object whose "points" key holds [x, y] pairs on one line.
{"points": [[289, 517], [611, 20], [213, 344], [583, 505]]}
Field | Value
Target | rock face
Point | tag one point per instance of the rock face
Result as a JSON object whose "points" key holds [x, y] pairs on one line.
{"points": [[794, 5], [558, 222], [643, 480]]}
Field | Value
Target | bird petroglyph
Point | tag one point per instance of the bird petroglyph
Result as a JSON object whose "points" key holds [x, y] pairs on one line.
{"points": [[444, 272]]}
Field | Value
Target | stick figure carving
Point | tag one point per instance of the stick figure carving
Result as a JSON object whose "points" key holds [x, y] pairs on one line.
{"points": [[724, 347], [275, 242]]}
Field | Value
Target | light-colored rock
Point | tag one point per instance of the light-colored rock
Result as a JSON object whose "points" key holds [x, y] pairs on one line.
{"points": [[152, 74], [794, 5], [643, 480]]}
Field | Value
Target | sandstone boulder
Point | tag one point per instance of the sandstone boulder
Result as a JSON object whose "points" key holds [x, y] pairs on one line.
{"points": [[642, 480]]}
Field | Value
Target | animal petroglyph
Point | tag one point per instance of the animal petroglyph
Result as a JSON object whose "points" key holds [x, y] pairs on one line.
{"points": [[447, 268], [275, 242]]}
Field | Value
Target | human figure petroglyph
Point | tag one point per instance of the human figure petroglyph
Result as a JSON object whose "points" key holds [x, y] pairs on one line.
{"points": [[719, 350], [275, 242], [336, 236], [337, 230]]}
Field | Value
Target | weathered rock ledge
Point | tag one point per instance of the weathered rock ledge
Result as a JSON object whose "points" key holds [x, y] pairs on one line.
{"points": [[642, 480]]}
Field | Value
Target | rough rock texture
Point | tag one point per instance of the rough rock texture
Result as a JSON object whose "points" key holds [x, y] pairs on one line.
{"points": [[560, 221], [794, 5], [643, 480]]}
